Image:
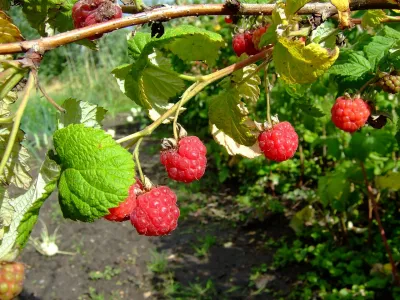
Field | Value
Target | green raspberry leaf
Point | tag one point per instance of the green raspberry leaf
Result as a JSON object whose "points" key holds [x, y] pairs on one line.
{"points": [[278, 17], [362, 144], [80, 112], [96, 172], [24, 210], [188, 42], [297, 63], [152, 85], [378, 48], [247, 83], [334, 190], [350, 64], [373, 18], [229, 115]]}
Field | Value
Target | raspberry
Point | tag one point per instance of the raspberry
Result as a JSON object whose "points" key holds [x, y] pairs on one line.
{"points": [[239, 44], [257, 34], [390, 83], [11, 279], [350, 114], [228, 20], [186, 162], [89, 12], [243, 43], [280, 142], [250, 48], [156, 212], [122, 212]]}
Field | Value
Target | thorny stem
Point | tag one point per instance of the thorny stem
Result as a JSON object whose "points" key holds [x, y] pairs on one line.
{"points": [[194, 90], [167, 13], [136, 153], [371, 196], [267, 94], [17, 121]]}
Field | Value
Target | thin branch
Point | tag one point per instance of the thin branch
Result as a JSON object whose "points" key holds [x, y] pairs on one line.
{"points": [[381, 229], [206, 80], [172, 12], [136, 155], [17, 120], [48, 98]]}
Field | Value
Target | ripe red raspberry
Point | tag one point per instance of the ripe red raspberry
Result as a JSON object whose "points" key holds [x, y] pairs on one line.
{"points": [[186, 162], [257, 34], [280, 142], [228, 20], [122, 212], [243, 43], [250, 48], [11, 279], [239, 44], [89, 12], [156, 212], [350, 114]]}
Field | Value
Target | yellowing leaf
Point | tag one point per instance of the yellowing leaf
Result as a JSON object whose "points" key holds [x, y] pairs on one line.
{"points": [[232, 147], [297, 63], [8, 31], [373, 18], [343, 7], [390, 181]]}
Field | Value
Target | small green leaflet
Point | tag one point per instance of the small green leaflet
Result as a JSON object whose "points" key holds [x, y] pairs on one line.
{"points": [[188, 42], [297, 63], [228, 114], [292, 6], [311, 109], [17, 168], [25, 210], [80, 112], [334, 190], [305, 215], [362, 144], [373, 18], [350, 63], [389, 181], [96, 172], [278, 17], [152, 86]]}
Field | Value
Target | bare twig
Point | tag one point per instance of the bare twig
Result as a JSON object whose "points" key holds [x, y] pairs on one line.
{"points": [[173, 12]]}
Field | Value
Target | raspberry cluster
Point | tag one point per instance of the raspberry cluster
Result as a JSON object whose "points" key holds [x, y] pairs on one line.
{"points": [[248, 41], [153, 211], [280, 142], [187, 161], [12, 275], [350, 114], [390, 83], [89, 12]]}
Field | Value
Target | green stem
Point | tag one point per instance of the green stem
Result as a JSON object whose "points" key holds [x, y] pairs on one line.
{"points": [[267, 95], [194, 90], [136, 153], [16, 77], [17, 121], [175, 124], [181, 76]]}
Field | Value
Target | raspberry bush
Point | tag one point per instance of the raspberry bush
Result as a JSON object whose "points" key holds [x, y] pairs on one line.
{"points": [[229, 85]]}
